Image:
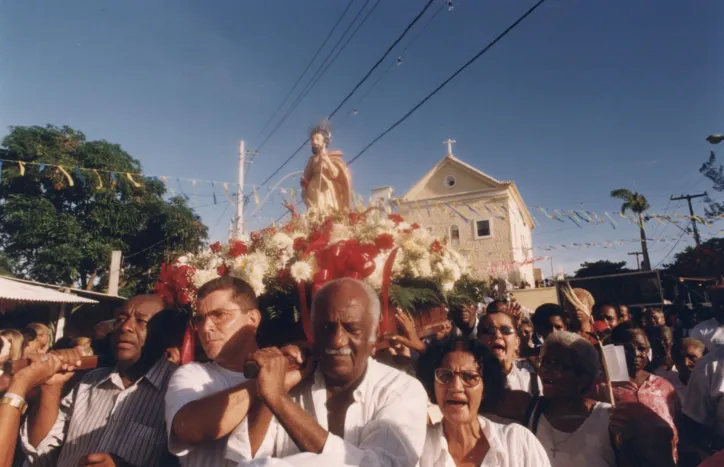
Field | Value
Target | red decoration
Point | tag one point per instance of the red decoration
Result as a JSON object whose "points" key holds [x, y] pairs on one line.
{"points": [[385, 241], [396, 218], [436, 247], [385, 325], [187, 348], [215, 247], [238, 248], [222, 270], [305, 315]]}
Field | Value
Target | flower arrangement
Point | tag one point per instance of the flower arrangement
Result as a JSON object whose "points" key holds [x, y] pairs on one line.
{"points": [[379, 248]]}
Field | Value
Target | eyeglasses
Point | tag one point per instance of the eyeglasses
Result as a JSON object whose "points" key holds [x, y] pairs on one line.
{"points": [[504, 330], [446, 376], [218, 317], [554, 365]]}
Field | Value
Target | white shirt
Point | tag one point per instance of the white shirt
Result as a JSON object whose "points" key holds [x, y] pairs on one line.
{"points": [[520, 376], [704, 402], [672, 376], [710, 332], [195, 381], [385, 426], [510, 446], [588, 446]]}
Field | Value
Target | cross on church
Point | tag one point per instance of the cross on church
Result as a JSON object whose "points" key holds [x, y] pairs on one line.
{"points": [[449, 143]]}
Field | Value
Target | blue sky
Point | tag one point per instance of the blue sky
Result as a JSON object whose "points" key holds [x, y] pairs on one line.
{"points": [[581, 98]]}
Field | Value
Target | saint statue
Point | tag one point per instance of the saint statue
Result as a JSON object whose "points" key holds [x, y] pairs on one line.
{"points": [[326, 183]]}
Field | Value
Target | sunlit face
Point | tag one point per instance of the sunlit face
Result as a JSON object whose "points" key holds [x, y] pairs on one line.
{"points": [[131, 327], [459, 387], [686, 360], [526, 335], [223, 325], [654, 318], [497, 332], [558, 375], [625, 313], [343, 332], [609, 315], [318, 143]]}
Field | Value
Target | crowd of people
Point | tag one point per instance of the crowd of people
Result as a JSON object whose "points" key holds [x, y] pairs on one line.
{"points": [[499, 386]]}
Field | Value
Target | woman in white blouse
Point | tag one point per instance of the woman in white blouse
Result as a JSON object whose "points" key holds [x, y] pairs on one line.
{"points": [[459, 375]]}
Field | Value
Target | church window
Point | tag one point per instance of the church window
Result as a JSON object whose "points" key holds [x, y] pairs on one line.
{"points": [[483, 229], [454, 235], [449, 181]]}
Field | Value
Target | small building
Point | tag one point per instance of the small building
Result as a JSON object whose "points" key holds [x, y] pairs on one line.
{"points": [[483, 218]]}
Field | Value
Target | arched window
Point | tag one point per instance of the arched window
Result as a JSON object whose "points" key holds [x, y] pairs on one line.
{"points": [[454, 235]]}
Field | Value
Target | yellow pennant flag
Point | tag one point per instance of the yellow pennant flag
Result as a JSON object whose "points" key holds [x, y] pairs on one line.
{"points": [[165, 182], [100, 180], [226, 192], [67, 176], [130, 179], [21, 166], [193, 184], [294, 197], [256, 195]]}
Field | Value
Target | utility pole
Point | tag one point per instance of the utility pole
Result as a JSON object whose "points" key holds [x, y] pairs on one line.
{"points": [[243, 160], [688, 199], [638, 264]]}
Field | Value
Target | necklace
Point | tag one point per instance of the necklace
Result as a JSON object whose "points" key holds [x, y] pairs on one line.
{"points": [[556, 446]]}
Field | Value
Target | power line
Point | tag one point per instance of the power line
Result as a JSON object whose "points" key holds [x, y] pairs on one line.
{"points": [[444, 83], [317, 75], [361, 82], [299, 79]]}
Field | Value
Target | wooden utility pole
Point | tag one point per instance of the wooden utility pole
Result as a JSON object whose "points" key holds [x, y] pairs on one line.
{"points": [[688, 199], [638, 263]]}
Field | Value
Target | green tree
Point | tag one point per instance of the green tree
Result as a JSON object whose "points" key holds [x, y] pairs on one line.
{"points": [[705, 261], [63, 234], [716, 174], [5, 266], [601, 268], [636, 203]]}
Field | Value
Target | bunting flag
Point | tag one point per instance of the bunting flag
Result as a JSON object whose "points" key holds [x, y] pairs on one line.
{"points": [[41, 167], [226, 192], [114, 179], [21, 167], [193, 187], [613, 222], [80, 175], [67, 176], [293, 195], [580, 216], [168, 185], [213, 192], [427, 205], [133, 182], [100, 180], [457, 212], [472, 209], [256, 195], [181, 189]]}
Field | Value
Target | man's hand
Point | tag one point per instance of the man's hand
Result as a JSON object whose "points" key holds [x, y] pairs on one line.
{"points": [[41, 368], [69, 359], [514, 308], [102, 459], [270, 382], [295, 354]]}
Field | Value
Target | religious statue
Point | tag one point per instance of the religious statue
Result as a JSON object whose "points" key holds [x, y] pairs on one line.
{"points": [[326, 183]]}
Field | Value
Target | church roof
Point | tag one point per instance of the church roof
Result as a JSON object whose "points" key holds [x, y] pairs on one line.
{"points": [[413, 193]]}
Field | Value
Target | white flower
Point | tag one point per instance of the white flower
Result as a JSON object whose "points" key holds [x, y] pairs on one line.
{"points": [[339, 232], [423, 267], [301, 271], [282, 241], [448, 286], [403, 226], [183, 260], [375, 279], [202, 276]]}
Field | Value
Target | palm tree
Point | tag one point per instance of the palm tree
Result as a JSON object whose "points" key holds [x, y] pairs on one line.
{"points": [[636, 203]]}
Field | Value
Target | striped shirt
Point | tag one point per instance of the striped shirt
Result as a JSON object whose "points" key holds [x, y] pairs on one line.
{"points": [[101, 415]]}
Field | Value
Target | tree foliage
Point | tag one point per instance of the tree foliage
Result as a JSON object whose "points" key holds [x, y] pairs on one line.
{"points": [[638, 204], [601, 268], [57, 233], [716, 174], [704, 261]]}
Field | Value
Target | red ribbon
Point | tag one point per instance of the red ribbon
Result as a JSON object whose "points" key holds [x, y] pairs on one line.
{"points": [[306, 316], [187, 348], [385, 292]]}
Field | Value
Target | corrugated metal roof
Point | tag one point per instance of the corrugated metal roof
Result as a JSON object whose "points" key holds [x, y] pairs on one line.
{"points": [[17, 291]]}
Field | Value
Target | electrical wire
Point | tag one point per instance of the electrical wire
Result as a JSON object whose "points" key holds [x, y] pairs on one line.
{"points": [[448, 80], [299, 79], [360, 83]]}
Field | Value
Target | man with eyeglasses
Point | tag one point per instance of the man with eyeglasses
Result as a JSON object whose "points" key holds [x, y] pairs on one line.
{"points": [[354, 410], [207, 403]]}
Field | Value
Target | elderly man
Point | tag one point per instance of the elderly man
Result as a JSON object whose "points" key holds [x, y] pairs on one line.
{"points": [[42, 335], [354, 410], [113, 416]]}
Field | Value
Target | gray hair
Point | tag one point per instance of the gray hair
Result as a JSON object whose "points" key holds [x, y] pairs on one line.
{"points": [[372, 297], [585, 356]]}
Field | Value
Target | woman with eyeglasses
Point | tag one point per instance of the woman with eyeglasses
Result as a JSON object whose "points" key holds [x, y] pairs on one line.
{"points": [[573, 429], [460, 375], [498, 332]]}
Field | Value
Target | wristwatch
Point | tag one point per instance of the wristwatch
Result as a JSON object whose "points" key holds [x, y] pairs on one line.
{"points": [[15, 400]]}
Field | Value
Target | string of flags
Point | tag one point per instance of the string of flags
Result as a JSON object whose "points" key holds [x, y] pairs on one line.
{"points": [[504, 267], [613, 243], [92, 177]]}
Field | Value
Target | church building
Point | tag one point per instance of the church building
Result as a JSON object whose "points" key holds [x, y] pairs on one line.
{"points": [[483, 218]]}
